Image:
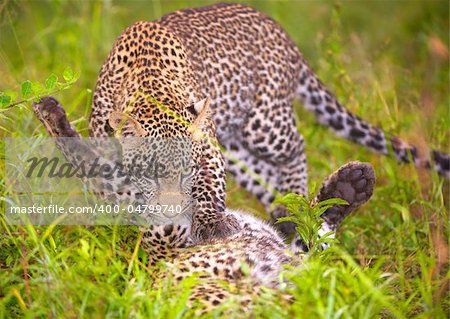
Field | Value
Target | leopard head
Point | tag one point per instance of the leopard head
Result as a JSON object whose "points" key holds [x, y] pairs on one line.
{"points": [[161, 160]]}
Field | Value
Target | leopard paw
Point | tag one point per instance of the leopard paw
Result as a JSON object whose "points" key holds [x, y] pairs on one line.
{"points": [[52, 115], [352, 182]]}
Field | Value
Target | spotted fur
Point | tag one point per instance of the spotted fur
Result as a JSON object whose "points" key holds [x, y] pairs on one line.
{"points": [[257, 254]]}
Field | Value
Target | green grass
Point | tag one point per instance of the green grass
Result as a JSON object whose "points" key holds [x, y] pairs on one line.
{"points": [[387, 61]]}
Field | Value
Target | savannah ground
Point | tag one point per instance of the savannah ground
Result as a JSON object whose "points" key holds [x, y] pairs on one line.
{"points": [[386, 61]]}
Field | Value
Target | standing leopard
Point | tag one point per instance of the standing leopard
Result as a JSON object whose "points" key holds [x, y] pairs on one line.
{"points": [[234, 73]]}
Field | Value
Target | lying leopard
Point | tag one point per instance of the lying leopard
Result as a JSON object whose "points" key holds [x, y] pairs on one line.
{"points": [[255, 256], [230, 73]]}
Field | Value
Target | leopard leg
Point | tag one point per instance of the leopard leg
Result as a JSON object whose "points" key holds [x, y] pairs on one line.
{"points": [[90, 153], [209, 219], [261, 178], [352, 182], [53, 116], [267, 157]]}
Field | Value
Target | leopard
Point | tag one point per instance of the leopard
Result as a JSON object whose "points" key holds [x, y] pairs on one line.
{"points": [[255, 256]]}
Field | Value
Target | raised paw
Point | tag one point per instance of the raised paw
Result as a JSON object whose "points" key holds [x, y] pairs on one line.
{"points": [[221, 227], [353, 182], [52, 115]]}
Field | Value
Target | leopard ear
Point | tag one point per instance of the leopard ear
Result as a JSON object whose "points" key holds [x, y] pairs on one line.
{"points": [[202, 106], [124, 124], [196, 108], [202, 111]]}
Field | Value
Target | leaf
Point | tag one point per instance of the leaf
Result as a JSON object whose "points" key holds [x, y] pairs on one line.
{"points": [[68, 74], [51, 81], [38, 89], [333, 201], [25, 89], [5, 100], [286, 219]]}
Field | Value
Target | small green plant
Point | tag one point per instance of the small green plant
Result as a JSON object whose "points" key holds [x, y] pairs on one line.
{"points": [[305, 214], [33, 90]]}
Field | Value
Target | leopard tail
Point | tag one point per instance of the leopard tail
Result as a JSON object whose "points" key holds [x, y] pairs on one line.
{"points": [[316, 98]]}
